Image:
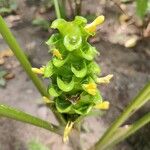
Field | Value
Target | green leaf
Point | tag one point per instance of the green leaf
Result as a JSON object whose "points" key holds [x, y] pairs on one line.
{"points": [[142, 6], [4, 10], [97, 98], [54, 39], [65, 27], [63, 106], [41, 22], [94, 68], [54, 91], [88, 52], [82, 109], [48, 70], [65, 86], [87, 98], [58, 62], [72, 42], [80, 73], [80, 20], [15, 114], [58, 24]]}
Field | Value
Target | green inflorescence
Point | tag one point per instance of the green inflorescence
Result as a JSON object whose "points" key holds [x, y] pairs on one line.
{"points": [[72, 69]]}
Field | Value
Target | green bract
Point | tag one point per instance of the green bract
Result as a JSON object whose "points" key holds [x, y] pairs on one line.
{"points": [[72, 69]]}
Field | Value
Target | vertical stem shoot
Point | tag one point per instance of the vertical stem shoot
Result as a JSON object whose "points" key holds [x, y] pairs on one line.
{"points": [[57, 10]]}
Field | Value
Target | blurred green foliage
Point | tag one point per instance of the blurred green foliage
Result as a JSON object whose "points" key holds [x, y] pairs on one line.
{"points": [[142, 7], [41, 22], [7, 6]]}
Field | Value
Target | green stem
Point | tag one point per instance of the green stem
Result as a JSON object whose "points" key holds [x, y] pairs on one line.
{"points": [[62, 4], [128, 130], [14, 46], [6, 111], [139, 101], [57, 10]]}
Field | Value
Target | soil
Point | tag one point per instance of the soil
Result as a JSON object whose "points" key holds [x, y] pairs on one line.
{"points": [[130, 66]]}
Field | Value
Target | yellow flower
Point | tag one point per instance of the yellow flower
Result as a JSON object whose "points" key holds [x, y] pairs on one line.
{"points": [[91, 28], [57, 53], [105, 79], [90, 88], [103, 105], [67, 131], [38, 71], [47, 100]]}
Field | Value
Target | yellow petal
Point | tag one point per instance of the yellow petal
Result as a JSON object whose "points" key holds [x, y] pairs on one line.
{"points": [[38, 71], [67, 131], [92, 26], [47, 100], [90, 88], [103, 105], [99, 20], [57, 53], [105, 79]]}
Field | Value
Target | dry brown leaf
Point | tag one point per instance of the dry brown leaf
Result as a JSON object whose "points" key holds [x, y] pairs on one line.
{"points": [[9, 76], [6, 53], [123, 18]]}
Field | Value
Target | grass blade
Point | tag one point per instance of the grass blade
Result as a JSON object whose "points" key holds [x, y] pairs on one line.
{"points": [[9, 112], [138, 102]]}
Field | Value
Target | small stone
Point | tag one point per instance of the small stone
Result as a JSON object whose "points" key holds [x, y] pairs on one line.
{"points": [[131, 42]]}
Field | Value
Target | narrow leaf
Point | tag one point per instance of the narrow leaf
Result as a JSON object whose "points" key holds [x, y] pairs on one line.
{"points": [[18, 115]]}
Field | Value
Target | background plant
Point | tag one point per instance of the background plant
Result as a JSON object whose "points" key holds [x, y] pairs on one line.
{"points": [[7, 7]]}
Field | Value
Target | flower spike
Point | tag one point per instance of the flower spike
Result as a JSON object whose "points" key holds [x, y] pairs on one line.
{"points": [[72, 70]]}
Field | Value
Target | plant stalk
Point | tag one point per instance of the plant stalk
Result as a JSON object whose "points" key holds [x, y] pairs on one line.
{"points": [[62, 6], [139, 101], [57, 9], [9, 112], [128, 130]]}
